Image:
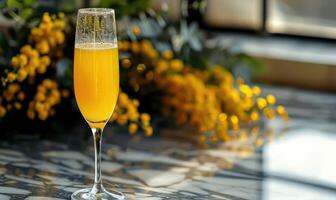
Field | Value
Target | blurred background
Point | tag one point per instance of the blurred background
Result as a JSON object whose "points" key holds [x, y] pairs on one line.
{"points": [[277, 54], [295, 40]]}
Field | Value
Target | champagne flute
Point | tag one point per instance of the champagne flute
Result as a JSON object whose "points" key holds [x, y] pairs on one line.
{"points": [[96, 83]]}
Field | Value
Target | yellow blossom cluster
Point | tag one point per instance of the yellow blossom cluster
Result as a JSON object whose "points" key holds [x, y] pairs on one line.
{"points": [[215, 102], [12, 97], [185, 98], [46, 40], [143, 47], [45, 99], [126, 113], [211, 100], [27, 64], [136, 30], [49, 34]]}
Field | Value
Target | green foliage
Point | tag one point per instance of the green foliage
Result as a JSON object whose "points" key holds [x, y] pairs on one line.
{"points": [[19, 9], [20, 3], [125, 7]]}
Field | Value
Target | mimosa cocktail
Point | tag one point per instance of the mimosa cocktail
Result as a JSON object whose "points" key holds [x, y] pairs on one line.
{"points": [[96, 80]]}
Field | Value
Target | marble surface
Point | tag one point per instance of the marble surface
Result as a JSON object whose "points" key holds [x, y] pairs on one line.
{"points": [[295, 162]]}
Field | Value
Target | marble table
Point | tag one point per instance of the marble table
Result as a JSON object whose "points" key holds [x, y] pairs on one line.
{"points": [[295, 161]]}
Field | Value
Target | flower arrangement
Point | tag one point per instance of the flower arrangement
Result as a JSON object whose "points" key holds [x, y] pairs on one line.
{"points": [[211, 100], [159, 77], [45, 44]]}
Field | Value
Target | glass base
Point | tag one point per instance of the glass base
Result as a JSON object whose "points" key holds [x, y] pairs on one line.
{"points": [[94, 194]]}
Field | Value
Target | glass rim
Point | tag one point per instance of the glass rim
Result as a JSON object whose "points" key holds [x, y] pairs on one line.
{"points": [[96, 10]]}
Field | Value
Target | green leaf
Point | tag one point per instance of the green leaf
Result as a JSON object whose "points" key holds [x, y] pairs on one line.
{"points": [[125, 7], [14, 3], [26, 13], [67, 5], [29, 2]]}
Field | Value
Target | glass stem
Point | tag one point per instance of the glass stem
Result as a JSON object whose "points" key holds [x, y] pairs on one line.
{"points": [[97, 139]]}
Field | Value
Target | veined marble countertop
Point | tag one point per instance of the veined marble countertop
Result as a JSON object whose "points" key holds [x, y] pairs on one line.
{"points": [[296, 161]]}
